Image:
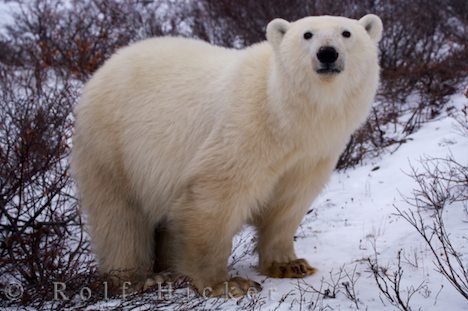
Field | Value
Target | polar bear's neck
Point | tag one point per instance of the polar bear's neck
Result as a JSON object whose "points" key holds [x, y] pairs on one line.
{"points": [[304, 108], [298, 102]]}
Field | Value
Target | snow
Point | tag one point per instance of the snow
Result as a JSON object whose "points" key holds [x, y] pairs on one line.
{"points": [[352, 220], [6, 10]]}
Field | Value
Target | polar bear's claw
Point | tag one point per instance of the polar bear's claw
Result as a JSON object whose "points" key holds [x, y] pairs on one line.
{"points": [[298, 268]]}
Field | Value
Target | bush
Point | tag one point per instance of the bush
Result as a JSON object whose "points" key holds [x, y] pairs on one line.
{"points": [[41, 234]]}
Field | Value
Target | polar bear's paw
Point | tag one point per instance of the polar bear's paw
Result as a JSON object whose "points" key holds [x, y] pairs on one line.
{"points": [[158, 280], [298, 268]]}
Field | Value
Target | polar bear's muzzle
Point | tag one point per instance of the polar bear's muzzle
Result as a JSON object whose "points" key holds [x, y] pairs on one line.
{"points": [[328, 61]]}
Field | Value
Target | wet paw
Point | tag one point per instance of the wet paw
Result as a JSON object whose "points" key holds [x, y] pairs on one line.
{"points": [[298, 268], [233, 288]]}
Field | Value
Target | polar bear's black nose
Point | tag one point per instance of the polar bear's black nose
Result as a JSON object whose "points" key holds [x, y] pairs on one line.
{"points": [[327, 54]]}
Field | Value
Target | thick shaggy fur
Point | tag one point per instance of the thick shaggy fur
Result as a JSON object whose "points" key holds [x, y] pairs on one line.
{"points": [[195, 140]]}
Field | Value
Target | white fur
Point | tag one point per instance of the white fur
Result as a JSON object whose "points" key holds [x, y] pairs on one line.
{"points": [[197, 140]]}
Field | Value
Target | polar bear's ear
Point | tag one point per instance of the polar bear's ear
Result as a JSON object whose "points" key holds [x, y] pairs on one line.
{"points": [[373, 25], [276, 30]]}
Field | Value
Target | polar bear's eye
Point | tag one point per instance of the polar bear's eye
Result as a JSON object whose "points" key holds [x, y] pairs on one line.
{"points": [[308, 35], [346, 34]]}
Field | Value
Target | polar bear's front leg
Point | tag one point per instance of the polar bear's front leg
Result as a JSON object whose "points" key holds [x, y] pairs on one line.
{"points": [[205, 218], [277, 225]]}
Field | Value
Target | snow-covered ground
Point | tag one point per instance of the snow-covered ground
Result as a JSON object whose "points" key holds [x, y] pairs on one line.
{"points": [[352, 220], [355, 219]]}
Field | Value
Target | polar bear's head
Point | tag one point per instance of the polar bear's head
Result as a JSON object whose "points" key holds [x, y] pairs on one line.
{"points": [[326, 48]]}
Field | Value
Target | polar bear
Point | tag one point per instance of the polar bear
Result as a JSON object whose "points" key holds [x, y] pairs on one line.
{"points": [[179, 143]]}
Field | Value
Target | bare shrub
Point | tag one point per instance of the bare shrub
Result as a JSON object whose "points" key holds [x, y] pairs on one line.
{"points": [[389, 284], [441, 183], [40, 229], [462, 118], [76, 37], [343, 282], [369, 140]]}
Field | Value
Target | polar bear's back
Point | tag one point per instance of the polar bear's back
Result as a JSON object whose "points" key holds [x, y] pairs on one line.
{"points": [[155, 64]]}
